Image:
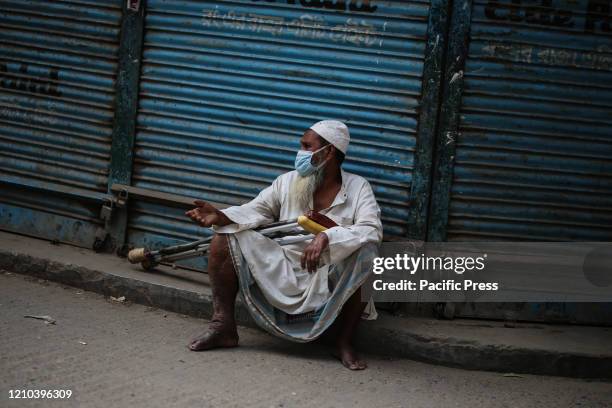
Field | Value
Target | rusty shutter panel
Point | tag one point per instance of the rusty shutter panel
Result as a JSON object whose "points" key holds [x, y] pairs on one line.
{"points": [[58, 64], [228, 88], [534, 149]]}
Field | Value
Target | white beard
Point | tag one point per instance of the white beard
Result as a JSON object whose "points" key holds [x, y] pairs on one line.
{"points": [[303, 188]]}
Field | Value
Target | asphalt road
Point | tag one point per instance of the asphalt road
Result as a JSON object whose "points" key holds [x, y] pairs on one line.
{"points": [[114, 354]]}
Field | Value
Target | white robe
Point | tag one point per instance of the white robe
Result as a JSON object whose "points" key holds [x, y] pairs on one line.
{"points": [[277, 269]]}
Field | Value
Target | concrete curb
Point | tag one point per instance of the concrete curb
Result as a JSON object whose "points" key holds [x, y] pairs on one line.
{"points": [[456, 352], [389, 335]]}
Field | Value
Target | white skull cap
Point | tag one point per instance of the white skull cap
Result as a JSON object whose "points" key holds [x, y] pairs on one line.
{"points": [[335, 132]]}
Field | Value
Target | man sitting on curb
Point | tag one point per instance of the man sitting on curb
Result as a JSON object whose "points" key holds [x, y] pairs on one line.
{"points": [[296, 291]]}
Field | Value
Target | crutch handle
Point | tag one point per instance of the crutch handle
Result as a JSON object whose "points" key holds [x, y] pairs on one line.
{"points": [[309, 225], [320, 219]]}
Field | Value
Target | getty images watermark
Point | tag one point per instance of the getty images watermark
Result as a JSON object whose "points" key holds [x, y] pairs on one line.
{"points": [[492, 272], [412, 264]]}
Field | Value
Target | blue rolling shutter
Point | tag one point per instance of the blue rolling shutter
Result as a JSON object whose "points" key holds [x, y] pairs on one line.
{"points": [[58, 63], [228, 88], [534, 145]]}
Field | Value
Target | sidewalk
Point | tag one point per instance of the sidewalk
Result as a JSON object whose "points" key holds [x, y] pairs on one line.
{"points": [[574, 351]]}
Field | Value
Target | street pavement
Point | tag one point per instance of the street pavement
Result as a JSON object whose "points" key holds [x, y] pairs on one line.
{"points": [[112, 353]]}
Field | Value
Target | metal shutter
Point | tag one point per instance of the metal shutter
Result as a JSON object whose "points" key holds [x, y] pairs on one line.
{"points": [[228, 88], [58, 63], [534, 145]]}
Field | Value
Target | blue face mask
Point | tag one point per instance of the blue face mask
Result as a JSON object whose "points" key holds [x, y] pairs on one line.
{"points": [[303, 163]]}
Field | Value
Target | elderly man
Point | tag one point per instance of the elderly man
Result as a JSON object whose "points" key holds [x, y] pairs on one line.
{"points": [[297, 291]]}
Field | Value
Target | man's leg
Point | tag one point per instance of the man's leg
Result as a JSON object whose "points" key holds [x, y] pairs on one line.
{"points": [[345, 328], [221, 331]]}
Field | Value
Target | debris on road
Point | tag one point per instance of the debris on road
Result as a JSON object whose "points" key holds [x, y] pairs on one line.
{"points": [[120, 299], [512, 375], [47, 319]]}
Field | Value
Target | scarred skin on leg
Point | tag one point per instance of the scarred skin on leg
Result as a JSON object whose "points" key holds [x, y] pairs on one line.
{"points": [[221, 331], [343, 330]]}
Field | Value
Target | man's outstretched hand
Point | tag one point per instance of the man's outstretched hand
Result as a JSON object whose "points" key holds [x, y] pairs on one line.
{"points": [[206, 215], [312, 253]]}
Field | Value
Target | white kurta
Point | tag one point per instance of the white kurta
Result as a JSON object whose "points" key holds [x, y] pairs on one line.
{"points": [[277, 270]]}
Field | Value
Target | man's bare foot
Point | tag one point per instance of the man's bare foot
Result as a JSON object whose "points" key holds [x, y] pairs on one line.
{"points": [[215, 336], [349, 358]]}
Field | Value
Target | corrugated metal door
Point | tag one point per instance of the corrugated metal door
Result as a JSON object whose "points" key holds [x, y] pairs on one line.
{"points": [[531, 152], [58, 62], [534, 145], [228, 88]]}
